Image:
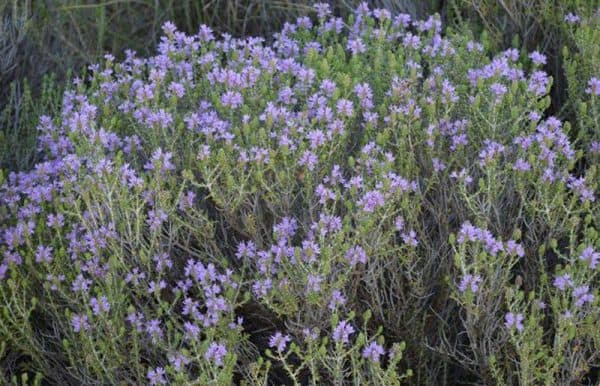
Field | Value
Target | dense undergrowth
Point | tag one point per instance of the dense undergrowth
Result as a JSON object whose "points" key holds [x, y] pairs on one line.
{"points": [[361, 201]]}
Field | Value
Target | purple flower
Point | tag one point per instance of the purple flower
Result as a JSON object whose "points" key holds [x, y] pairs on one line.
{"points": [[314, 283], [100, 306], [12, 257], [373, 352], [590, 256], [310, 250], [410, 238], [286, 96], [571, 18], [328, 87], [469, 282], [310, 335], [328, 224], [474, 46], [285, 229], [498, 89], [162, 261], [356, 255], [323, 10], [81, 284], [411, 41], [537, 58], [324, 194], [514, 248], [156, 219], [402, 20], [534, 116], [55, 280], [177, 89], [342, 332], [522, 165], [365, 95], [541, 305], [154, 286], [448, 92], [135, 276], [55, 221], [43, 254], [399, 223], [337, 299], [279, 341], [538, 83], [203, 153], [316, 138], [261, 288], [356, 46], [136, 320], [563, 281], [492, 149], [157, 376], [246, 249], [153, 329], [462, 175], [514, 321], [232, 99], [304, 22], [593, 86], [80, 323], [582, 295], [205, 33], [216, 352], [371, 200], [345, 108], [578, 185], [179, 361], [160, 161], [382, 14], [169, 28], [3, 270], [191, 330], [308, 159], [187, 200]]}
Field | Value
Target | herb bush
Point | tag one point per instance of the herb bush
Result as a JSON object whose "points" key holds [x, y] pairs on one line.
{"points": [[363, 201], [42, 38]]}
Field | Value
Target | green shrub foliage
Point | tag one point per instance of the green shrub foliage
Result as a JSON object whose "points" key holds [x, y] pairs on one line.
{"points": [[363, 201]]}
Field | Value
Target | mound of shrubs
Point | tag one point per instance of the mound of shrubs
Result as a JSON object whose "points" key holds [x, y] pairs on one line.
{"points": [[365, 201]]}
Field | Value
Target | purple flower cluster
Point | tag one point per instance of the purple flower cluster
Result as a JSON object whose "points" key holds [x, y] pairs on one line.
{"points": [[590, 256], [515, 321], [290, 176], [279, 341], [469, 282], [356, 255], [593, 87], [215, 353], [373, 352], [341, 333], [470, 233], [580, 294]]}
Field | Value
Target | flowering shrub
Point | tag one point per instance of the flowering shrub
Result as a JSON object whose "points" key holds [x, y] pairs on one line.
{"points": [[360, 202]]}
